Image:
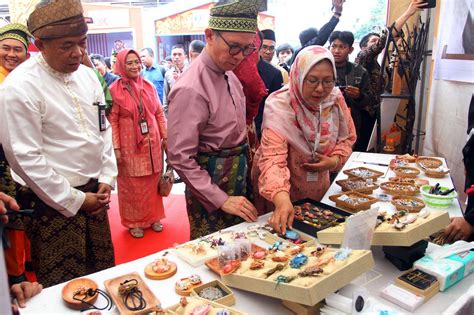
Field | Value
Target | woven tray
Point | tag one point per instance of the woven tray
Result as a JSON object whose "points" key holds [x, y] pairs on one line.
{"points": [[350, 206], [428, 162], [434, 173], [400, 202], [398, 163], [407, 172], [363, 173], [404, 189], [360, 185], [408, 157]]}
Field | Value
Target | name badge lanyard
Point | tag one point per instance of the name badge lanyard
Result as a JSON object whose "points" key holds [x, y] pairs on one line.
{"points": [[317, 138], [102, 116], [142, 122]]}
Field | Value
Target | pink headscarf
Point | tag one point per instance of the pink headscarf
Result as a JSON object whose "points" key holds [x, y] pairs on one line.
{"points": [[287, 113], [139, 88]]}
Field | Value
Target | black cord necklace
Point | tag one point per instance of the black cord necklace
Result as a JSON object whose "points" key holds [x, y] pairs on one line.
{"points": [[132, 296], [85, 293]]}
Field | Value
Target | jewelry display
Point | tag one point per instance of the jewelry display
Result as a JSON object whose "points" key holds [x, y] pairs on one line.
{"points": [[280, 256], [211, 293], [311, 271], [257, 264], [201, 309], [82, 294], [185, 285], [132, 296], [298, 261], [278, 267], [260, 254], [342, 254], [319, 250], [363, 173]]}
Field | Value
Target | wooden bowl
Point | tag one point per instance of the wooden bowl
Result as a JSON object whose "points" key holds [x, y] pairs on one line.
{"points": [[70, 288], [151, 274], [408, 157], [435, 173], [425, 162], [407, 172], [418, 204], [403, 189]]}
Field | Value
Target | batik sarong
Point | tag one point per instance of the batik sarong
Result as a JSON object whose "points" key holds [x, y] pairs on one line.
{"points": [[65, 248], [228, 170]]}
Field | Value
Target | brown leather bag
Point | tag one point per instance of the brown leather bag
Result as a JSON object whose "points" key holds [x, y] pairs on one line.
{"points": [[166, 181]]}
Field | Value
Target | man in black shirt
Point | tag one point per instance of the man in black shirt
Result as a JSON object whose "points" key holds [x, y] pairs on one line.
{"points": [[352, 79]]}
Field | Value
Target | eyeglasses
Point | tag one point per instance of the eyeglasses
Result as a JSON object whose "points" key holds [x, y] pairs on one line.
{"points": [[236, 49], [312, 83], [269, 48], [131, 63]]}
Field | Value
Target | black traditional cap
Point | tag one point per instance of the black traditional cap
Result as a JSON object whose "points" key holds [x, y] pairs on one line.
{"points": [[236, 15], [269, 34]]}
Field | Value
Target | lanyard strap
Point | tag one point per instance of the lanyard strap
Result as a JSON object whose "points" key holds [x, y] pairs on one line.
{"points": [[317, 137], [139, 103]]}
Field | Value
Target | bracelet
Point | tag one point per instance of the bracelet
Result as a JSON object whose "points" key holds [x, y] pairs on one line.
{"points": [[337, 163], [132, 296]]}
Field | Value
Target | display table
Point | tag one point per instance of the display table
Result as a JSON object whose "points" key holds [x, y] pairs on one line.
{"points": [[50, 302], [380, 162]]}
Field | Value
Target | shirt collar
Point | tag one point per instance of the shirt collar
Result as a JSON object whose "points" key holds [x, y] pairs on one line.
{"points": [[207, 60], [61, 76]]}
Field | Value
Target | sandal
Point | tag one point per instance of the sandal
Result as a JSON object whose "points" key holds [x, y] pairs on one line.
{"points": [[136, 232], [157, 226]]}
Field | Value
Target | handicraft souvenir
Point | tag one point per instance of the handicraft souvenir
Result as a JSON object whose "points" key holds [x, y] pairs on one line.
{"points": [[305, 277], [353, 201], [215, 291], [196, 305], [410, 204], [405, 189], [131, 295], [363, 173], [160, 269], [184, 286], [365, 186], [312, 216], [425, 162], [397, 163], [82, 293], [408, 157], [405, 171]]}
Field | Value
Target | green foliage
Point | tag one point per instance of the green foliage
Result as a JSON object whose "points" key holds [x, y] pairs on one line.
{"points": [[378, 16]]}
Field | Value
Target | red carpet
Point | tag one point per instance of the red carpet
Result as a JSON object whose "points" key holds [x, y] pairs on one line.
{"points": [[175, 230]]}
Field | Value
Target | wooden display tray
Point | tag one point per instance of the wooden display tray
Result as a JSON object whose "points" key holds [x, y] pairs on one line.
{"points": [[308, 227], [112, 285], [213, 264], [425, 162], [415, 181], [413, 172], [271, 238], [228, 299], [412, 189], [149, 273], [68, 292], [398, 206], [194, 301], [188, 291], [412, 233], [350, 207], [359, 262], [376, 175], [368, 189]]}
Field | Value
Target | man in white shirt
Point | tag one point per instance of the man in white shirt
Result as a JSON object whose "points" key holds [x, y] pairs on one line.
{"points": [[57, 140]]}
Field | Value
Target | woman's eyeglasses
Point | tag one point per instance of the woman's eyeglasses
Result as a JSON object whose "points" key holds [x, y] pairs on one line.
{"points": [[312, 83], [236, 49]]}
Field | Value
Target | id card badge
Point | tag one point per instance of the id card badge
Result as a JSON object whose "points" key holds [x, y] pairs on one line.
{"points": [[312, 176], [102, 117], [143, 126]]}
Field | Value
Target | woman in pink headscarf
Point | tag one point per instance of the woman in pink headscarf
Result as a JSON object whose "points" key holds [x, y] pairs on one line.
{"points": [[307, 132], [139, 138]]}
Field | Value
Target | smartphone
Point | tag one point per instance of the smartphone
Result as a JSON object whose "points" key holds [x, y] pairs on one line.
{"points": [[430, 4]]}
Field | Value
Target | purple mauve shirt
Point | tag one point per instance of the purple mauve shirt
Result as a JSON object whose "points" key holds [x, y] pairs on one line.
{"points": [[204, 116]]}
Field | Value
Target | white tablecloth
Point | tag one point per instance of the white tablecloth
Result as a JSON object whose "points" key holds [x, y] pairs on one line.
{"points": [[50, 302]]}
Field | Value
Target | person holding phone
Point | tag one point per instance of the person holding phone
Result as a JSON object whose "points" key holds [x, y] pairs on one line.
{"points": [[352, 79]]}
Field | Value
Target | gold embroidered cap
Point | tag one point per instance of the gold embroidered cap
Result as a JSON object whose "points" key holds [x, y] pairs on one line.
{"points": [[236, 15], [16, 31], [57, 18]]}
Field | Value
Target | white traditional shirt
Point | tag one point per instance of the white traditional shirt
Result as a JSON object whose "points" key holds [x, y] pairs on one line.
{"points": [[50, 132]]}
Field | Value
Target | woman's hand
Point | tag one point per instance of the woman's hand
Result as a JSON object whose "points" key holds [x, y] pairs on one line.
{"points": [[325, 163], [164, 145], [283, 214], [118, 155]]}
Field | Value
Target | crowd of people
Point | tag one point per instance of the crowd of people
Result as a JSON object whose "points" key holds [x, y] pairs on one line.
{"points": [[247, 136]]}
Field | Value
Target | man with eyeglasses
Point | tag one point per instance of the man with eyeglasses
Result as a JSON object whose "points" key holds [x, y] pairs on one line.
{"points": [[206, 123], [270, 74]]}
